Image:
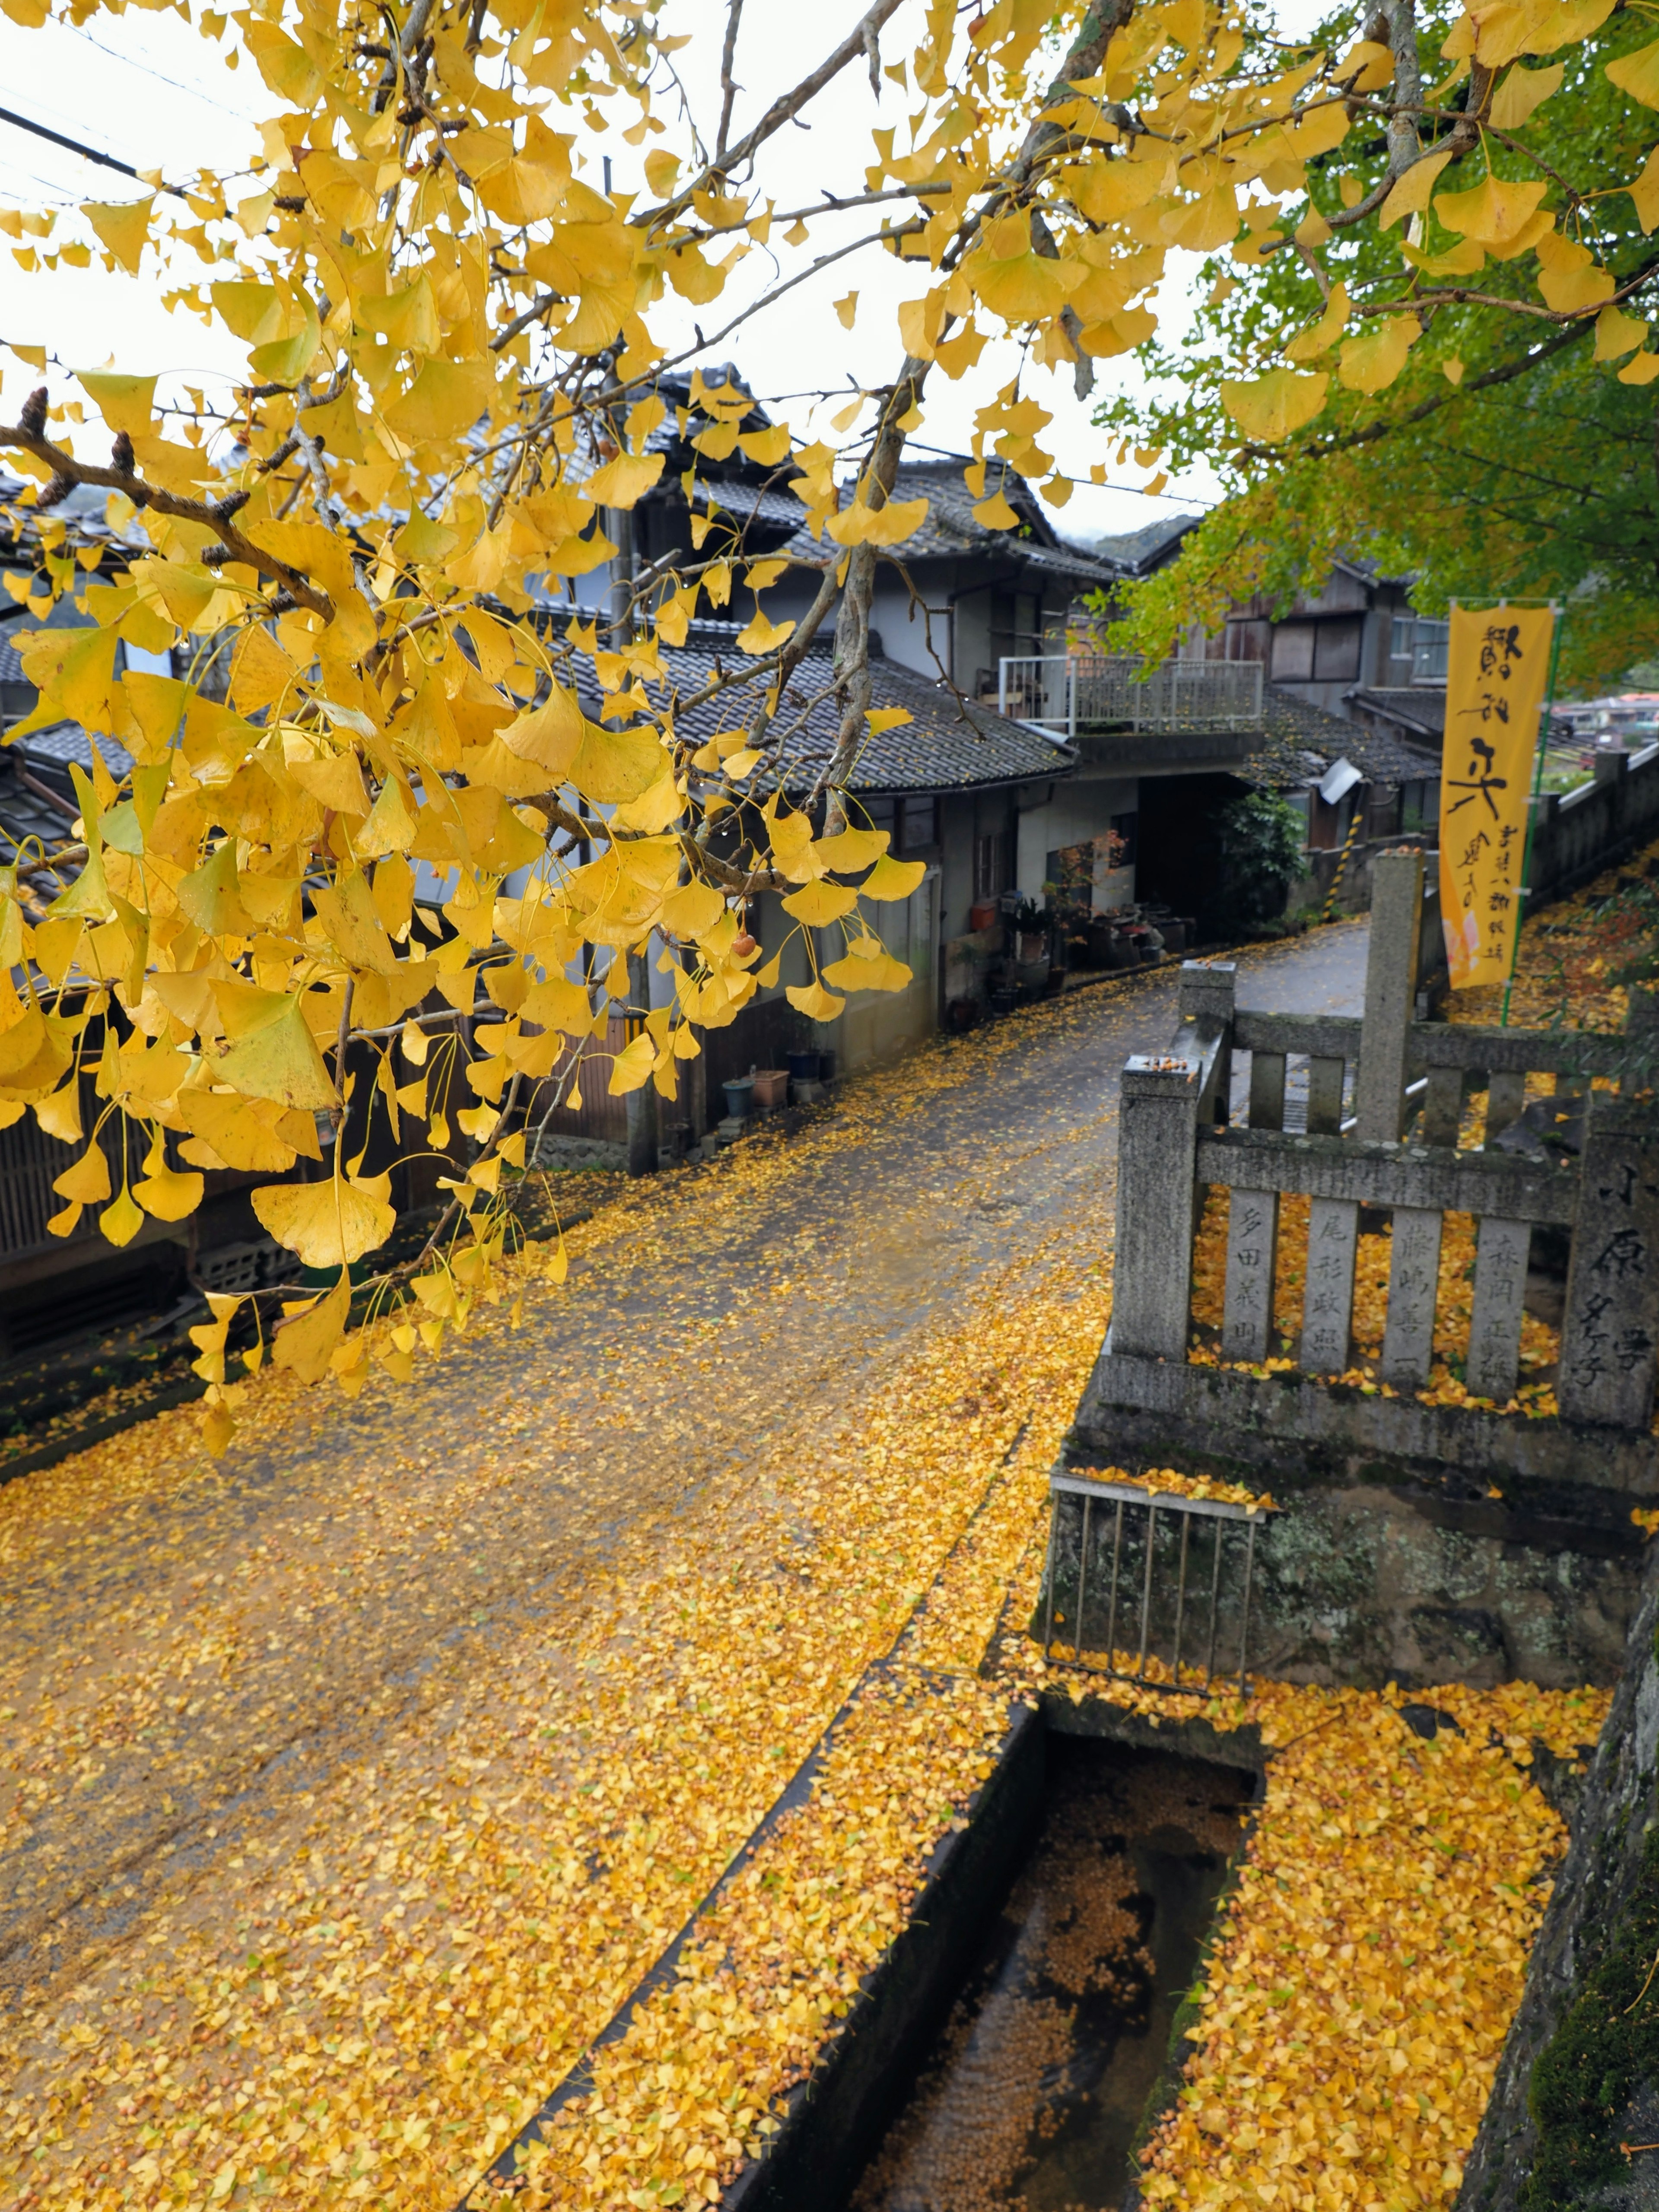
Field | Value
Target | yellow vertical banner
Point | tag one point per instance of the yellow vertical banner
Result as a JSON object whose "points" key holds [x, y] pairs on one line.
{"points": [[1496, 666]]}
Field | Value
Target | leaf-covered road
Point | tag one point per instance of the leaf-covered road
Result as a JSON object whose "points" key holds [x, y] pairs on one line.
{"points": [[396, 1698]]}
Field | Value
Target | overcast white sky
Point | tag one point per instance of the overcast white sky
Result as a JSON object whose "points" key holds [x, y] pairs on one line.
{"points": [[151, 92]]}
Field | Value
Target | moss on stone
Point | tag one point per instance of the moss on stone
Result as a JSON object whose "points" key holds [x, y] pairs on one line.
{"points": [[1605, 2049]]}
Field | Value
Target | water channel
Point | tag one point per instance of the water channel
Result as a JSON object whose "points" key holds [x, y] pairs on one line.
{"points": [[1032, 2093]]}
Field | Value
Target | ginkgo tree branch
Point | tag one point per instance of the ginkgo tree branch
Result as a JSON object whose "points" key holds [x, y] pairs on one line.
{"points": [[216, 514]]}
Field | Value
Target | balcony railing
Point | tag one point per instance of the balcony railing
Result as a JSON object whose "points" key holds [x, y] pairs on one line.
{"points": [[1064, 693]]}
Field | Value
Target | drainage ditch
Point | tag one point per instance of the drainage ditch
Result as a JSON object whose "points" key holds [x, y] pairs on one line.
{"points": [[1030, 2096]]}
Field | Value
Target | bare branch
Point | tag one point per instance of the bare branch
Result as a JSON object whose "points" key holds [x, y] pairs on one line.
{"points": [[728, 89]]}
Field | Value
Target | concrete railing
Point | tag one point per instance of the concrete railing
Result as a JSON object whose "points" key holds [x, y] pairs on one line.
{"points": [[1175, 1141]]}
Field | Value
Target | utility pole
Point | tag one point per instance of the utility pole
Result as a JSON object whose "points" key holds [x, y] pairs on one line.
{"points": [[643, 1137]]}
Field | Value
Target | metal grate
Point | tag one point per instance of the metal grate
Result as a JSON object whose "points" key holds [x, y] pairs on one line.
{"points": [[1152, 1574]]}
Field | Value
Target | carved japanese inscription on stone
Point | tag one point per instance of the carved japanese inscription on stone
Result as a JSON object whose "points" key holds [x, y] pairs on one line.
{"points": [[1327, 1296], [1613, 1294], [1413, 1278], [1500, 1284], [1252, 1246]]}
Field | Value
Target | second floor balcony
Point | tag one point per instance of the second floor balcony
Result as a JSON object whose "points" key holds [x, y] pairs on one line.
{"points": [[1079, 695]]}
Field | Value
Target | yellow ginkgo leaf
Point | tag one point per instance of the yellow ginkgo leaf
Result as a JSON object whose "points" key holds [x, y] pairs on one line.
{"points": [[1028, 288], [890, 879], [1522, 93], [819, 902], [624, 481], [87, 1181], [1618, 333], [1270, 408], [307, 1338], [1409, 193], [1570, 277], [613, 765], [853, 848], [123, 227], [1372, 362], [169, 1194], [1644, 193], [767, 447], [861, 525], [1642, 369], [278, 1059], [761, 636], [446, 396], [632, 1067], [328, 1223], [995, 514], [1503, 216], [1638, 73], [126, 403], [873, 969], [121, 1220], [814, 1001], [234, 1133], [1309, 345]]}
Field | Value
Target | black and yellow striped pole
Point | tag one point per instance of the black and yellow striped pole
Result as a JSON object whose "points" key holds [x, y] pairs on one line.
{"points": [[1348, 847]]}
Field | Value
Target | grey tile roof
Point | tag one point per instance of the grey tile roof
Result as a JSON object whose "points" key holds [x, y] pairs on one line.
{"points": [[65, 742], [1134, 552], [1299, 741], [951, 533], [755, 502], [945, 747], [1419, 710]]}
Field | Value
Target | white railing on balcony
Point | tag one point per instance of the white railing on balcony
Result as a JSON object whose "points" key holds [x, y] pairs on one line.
{"points": [[1066, 693]]}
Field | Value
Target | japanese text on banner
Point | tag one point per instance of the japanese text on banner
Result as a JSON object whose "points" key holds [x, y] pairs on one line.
{"points": [[1495, 670]]}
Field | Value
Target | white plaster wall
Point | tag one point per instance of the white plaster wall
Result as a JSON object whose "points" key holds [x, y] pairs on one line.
{"points": [[1076, 811]]}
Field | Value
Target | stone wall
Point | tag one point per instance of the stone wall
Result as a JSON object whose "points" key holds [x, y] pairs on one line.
{"points": [[1414, 1544], [1579, 2074]]}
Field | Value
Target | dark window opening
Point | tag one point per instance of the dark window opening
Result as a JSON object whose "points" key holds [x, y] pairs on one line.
{"points": [[919, 825], [1336, 651], [990, 867], [1126, 828]]}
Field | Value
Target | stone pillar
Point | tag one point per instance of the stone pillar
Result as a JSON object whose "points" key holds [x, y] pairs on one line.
{"points": [[1157, 1147], [1207, 994], [1413, 1282], [1613, 1290], [1328, 1289], [1442, 1106], [1506, 1094], [1325, 1079], [1390, 995], [1267, 1090]]}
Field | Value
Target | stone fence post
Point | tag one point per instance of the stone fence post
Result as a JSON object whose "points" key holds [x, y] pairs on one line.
{"points": [[1208, 990], [1157, 1156], [1390, 996]]}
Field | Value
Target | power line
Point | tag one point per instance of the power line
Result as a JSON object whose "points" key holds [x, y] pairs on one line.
{"points": [[74, 146], [128, 62]]}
